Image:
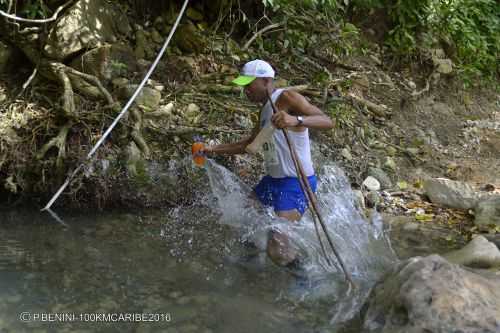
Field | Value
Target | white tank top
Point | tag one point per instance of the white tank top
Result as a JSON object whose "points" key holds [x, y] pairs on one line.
{"points": [[277, 157]]}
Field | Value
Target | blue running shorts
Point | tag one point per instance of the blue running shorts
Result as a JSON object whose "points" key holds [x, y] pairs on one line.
{"points": [[283, 193]]}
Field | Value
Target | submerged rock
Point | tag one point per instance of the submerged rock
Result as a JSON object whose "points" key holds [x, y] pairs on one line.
{"points": [[359, 199], [431, 294], [373, 198], [487, 211], [479, 253]]}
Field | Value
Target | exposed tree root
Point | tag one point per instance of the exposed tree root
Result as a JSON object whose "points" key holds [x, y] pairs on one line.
{"points": [[135, 134], [58, 142], [381, 111], [66, 76]]}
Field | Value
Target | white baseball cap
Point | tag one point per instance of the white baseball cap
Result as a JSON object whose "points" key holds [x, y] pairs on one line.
{"points": [[252, 70]]}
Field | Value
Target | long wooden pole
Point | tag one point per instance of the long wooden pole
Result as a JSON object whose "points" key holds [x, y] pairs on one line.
{"points": [[304, 182]]}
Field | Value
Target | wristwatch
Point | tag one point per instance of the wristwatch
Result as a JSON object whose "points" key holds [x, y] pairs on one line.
{"points": [[300, 119]]}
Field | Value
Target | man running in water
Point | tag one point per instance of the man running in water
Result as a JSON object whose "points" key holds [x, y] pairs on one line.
{"points": [[280, 188]]}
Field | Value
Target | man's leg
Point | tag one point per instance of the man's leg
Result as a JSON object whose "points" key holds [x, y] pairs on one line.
{"points": [[291, 215], [279, 248]]}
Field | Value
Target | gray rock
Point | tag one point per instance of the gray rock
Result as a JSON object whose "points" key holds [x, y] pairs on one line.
{"points": [[359, 199], [373, 199], [494, 238], [148, 97], [192, 113], [450, 193], [164, 111], [120, 82], [346, 153], [183, 300], [390, 164], [432, 295], [371, 183], [376, 59], [175, 294], [487, 211], [87, 24], [443, 66], [413, 151], [411, 226], [143, 48], [201, 299], [14, 298], [381, 176], [479, 253], [391, 151], [156, 37]]}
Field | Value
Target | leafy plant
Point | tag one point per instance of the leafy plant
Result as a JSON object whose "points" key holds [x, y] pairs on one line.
{"points": [[472, 28], [329, 4], [35, 9]]}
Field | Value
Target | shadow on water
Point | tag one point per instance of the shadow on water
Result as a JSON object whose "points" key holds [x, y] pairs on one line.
{"points": [[189, 262]]}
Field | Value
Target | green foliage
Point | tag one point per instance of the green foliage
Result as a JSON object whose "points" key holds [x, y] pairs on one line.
{"points": [[119, 68], [368, 4], [343, 114], [468, 29], [473, 29], [330, 4], [35, 9], [409, 17]]}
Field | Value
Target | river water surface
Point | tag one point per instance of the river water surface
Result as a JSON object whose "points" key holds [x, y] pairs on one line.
{"points": [[188, 267]]}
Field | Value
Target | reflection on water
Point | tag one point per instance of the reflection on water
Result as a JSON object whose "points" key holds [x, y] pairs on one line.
{"points": [[188, 262]]}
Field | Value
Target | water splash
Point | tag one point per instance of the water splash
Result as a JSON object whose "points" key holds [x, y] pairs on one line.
{"points": [[362, 244]]}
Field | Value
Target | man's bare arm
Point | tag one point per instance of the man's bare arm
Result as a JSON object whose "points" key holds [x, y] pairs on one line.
{"points": [[298, 105], [233, 148]]}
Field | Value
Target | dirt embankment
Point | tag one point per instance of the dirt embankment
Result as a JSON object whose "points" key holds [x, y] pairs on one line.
{"points": [[410, 123]]}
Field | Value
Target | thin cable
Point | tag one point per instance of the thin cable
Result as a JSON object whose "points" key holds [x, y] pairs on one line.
{"points": [[124, 110], [22, 19]]}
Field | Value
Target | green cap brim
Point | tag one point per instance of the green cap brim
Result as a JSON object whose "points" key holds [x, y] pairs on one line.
{"points": [[243, 80]]}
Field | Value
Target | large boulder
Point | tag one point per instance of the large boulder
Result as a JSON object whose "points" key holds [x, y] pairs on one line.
{"points": [[450, 193], [487, 211], [87, 24], [431, 295], [479, 253]]}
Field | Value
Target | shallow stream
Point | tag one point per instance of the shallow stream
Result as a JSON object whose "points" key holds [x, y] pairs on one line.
{"points": [[188, 267]]}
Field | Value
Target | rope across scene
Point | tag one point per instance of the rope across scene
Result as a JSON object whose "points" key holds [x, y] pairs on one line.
{"points": [[124, 110]]}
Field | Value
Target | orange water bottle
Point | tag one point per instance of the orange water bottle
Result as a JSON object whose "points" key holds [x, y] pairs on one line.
{"points": [[199, 157]]}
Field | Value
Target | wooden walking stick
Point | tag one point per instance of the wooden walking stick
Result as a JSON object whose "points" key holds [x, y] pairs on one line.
{"points": [[306, 188]]}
